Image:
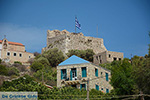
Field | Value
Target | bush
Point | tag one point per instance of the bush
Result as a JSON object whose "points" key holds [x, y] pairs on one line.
{"points": [[85, 54], [17, 62], [54, 56], [3, 70], [36, 66], [43, 61], [0, 61], [13, 71]]}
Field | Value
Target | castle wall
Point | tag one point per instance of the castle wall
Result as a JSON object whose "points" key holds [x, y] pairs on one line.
{"points": [[64, 41], [59, 42]]}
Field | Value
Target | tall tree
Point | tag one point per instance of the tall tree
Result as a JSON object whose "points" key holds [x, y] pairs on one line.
{"points": [[121, 78], [85, 54], [54, 56]]}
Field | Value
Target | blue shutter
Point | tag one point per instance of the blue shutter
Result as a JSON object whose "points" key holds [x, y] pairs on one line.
{"points": [[84, 72], [97, 87], [85, 86], [71, 75], [80, 86], [107, 90], [76, 72], [61, 74], [65, 76], [96, 72], [106, 76]]}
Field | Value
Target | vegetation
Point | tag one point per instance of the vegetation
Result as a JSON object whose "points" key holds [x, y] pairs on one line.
{"points": [[121, 79], [129, 76], [17, 62], [3, 70], [53, 56], [85, 54], [28, 83]]}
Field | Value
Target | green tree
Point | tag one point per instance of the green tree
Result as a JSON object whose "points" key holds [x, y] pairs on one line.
{"points": [[13, 71], [121, 78], [0, 61], [54, 56], [85, 54], [17, 62], [3, 70], [36, 66], [43, 61], [141, 73]]}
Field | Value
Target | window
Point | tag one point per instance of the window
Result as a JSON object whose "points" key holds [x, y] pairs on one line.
{"points": [[101, 73], [20, 55], [109, 55], [101, 88], [83, 71], [8, 53], [63, 74], [83, 86], [106, 76], [99, 56], [115, 58], [107, 90], [75, 86], [96, 72], [15, 54], [73, 74], [119, 58], [96, 57], [29, 57], [100, 61], [97, 87]]}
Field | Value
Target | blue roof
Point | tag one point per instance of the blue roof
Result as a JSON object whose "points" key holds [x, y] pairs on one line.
{"points": [[73, 60]]}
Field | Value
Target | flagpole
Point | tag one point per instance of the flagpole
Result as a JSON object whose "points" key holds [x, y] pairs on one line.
{"points": [[97, 30], [75, 27]]}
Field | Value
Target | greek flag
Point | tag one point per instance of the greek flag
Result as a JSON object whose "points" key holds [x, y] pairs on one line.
{"points": [[77, 23]]}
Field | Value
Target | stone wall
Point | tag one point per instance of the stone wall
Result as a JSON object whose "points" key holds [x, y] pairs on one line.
{"points": [[14, 52], [107, 57], [90, 68], [65, 41]]}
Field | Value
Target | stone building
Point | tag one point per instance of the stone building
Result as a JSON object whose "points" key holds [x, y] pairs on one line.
{"points": [[107, 57], [13, 51], [65, 41], [76, 71]]}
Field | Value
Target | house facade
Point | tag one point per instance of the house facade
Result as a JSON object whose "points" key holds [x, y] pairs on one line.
{"points": [[13, 51], [107, 57], [76, 71]]}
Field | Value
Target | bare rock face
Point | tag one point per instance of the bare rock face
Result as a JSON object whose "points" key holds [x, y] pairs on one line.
{"points": [[64, 41]]}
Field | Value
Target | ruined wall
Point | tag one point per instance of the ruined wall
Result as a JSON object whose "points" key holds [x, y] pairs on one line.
{"points": [[64, 41], [106, 57]]}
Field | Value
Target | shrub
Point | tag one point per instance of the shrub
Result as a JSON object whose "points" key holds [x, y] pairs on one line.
{"points": [[3, 70], [13, 71], [17, 62], [36, 66]]}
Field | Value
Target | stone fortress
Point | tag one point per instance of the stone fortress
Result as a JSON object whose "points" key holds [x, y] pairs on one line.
{"points": [[65, 41]]}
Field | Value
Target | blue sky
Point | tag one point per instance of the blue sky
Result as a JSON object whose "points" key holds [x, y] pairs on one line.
{"points": [[123, 24]]}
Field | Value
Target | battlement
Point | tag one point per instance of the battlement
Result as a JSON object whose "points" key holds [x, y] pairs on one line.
{"points": [[64, 41]]}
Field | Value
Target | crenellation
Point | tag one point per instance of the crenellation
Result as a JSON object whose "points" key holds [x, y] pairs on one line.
{"points": [[71, 41]]}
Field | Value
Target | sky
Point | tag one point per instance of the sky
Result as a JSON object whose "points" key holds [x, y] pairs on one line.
{"points": [[123, 24]]}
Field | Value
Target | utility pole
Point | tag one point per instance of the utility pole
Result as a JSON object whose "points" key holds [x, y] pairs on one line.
{"points": [[87, 89], [141, 95]]}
